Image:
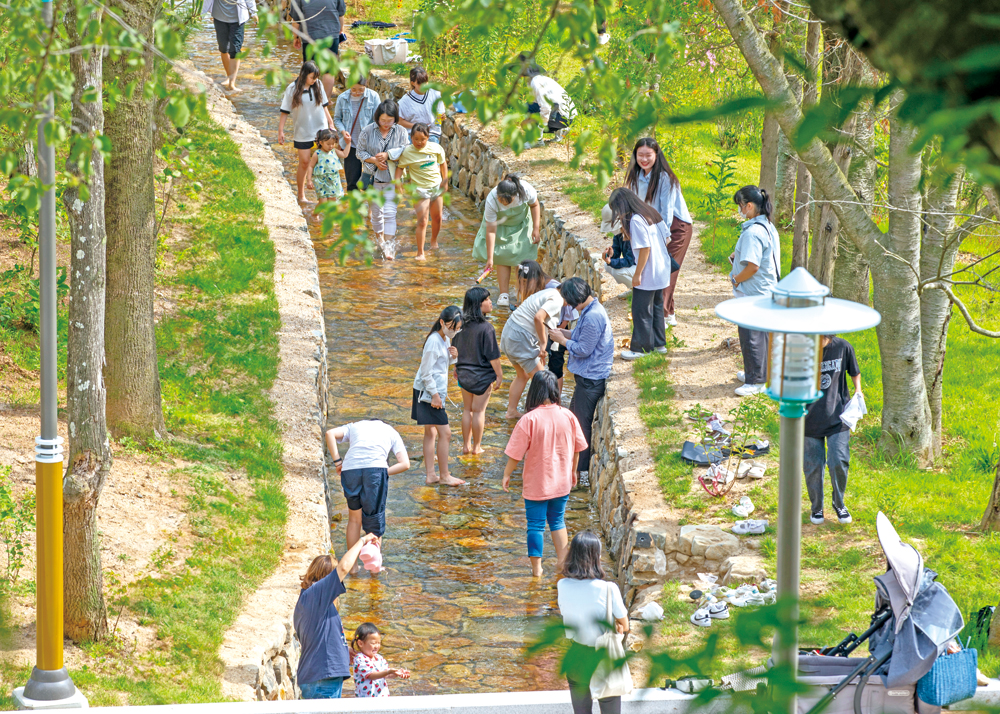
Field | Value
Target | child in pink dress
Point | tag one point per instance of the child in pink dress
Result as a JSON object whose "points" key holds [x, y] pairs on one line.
{"points": [[370, 668]]}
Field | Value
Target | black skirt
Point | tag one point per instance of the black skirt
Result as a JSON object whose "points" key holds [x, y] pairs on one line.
{"points": [[475, 381], [426, 415]]}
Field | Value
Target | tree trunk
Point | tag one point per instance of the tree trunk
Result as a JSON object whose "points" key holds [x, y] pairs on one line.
{"points": [[133, 378], [850, 276], [769, 139], [84, 612], [803, 179], [991, 522], [26, 164], [785, 175]]}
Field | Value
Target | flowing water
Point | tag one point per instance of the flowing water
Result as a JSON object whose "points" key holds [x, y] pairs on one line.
{"points": [[456, 603]]}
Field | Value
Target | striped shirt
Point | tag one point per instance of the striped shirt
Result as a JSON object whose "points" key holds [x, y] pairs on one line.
{"points": [[371, 142]]}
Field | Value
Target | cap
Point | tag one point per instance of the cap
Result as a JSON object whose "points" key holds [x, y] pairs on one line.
{"points": [[606, 225]]}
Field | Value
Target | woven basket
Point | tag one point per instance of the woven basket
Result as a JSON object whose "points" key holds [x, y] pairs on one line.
{"points": [[951, 679]]}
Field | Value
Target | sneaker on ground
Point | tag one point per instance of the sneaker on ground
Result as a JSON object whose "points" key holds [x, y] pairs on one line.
{"points": [[629, 355], [672, 320], [503, 300], [742, 376], [748, 389], [843, 515], [661, 350], [560, 135], [604, 38], [816, 518]]}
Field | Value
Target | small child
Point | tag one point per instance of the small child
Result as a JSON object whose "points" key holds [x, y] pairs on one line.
{"points": [[370, 668], [618, 259], [428, 170], [325, 165]]}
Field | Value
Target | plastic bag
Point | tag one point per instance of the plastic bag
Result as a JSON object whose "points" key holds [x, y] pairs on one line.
{"points": [[855, 409], [651, 612]]}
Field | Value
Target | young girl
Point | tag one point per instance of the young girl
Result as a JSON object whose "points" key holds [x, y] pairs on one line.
{"points": [[525, 335], [421, 106], [478, 366], [306, 102], [619, 260], [430, 389], [428, 169], [325, 166], [370, 668]]}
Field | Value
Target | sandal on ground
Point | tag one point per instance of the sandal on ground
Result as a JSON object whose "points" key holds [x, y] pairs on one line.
{"points": [[701, 618], [718, 611], [749, 527], [751, 469], [744, 508]]}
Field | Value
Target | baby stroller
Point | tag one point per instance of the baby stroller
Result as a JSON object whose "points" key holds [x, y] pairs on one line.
{"points": [[914, 620]]}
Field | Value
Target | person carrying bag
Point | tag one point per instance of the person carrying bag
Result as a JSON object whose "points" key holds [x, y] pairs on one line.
{"points": [[610, 680]]}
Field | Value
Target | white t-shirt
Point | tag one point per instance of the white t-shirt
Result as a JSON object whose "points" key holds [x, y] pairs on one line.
{"points": [[308, 117], [584, 606], [549, 300], [371, 442], [425, 108], [492, 204], [656, 273], [547, 92]]}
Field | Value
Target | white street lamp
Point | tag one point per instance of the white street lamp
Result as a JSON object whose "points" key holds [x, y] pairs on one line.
{"points": [[796, 314]]}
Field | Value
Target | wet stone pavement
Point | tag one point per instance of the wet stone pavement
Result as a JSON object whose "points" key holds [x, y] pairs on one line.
{"points": [[456, 603]]}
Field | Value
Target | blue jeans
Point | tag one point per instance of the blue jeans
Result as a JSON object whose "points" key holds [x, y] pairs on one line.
{"points": [[552, 510], [323, 689], [835, 455]]}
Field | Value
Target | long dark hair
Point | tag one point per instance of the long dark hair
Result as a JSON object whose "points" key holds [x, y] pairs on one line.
{"points": [[660, 166], [544, 386], [530, 279], [472, 306], [450, 315], [300, 84], [364, 631], [584, 559], [387, 107], [509, 187], [756, 196], [625, 204]]}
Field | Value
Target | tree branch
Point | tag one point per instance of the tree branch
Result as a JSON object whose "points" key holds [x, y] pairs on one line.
{"points": [[970, 321]]}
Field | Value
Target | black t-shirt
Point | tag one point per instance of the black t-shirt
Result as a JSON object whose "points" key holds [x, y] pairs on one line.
{"points": [[477, 347], [823, 418]]}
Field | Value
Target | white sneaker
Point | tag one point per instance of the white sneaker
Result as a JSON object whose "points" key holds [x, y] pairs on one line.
{"points": [[603, 38], [560, 135], [742, 376], [661, 350], [503, 300], [672, 320], [629, 355], [747, 389]]}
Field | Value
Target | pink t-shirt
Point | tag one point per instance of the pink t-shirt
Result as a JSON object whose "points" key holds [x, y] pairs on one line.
{"points": [[546, 438]]}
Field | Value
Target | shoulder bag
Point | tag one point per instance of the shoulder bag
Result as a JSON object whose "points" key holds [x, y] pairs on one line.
{"points": [[610, 680]]}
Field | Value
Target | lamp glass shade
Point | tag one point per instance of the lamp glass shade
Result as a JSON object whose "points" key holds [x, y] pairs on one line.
{"points": [[793, 367]]}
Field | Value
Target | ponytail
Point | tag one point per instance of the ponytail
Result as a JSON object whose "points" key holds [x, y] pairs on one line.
{"points": [[509, 187], [450, 316], [756, 196]]}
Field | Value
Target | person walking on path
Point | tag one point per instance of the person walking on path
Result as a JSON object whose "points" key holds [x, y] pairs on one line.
{"points": [[317, 25], [421, 107], [510, 230], [643, 226], [549, 439], [427, 167], [619, 260], [373, 145], [306, 103], [230, 18], [478, 367], [325, 167], [353, 111], [525, 334], [756, 262], [364, 472], [651, 178], [324, 662], [583, 602], [827, 438], [591, 348], [430, 389]]}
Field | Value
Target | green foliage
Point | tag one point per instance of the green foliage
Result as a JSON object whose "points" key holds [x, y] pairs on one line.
{"points": [[17, 518], [718, 202], [19, 297]]}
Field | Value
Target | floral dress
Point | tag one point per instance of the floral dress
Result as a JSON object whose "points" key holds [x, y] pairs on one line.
{"points": [[365, 665], [326, 175]]}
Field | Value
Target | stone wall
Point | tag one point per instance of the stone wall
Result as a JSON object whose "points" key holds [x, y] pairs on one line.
{"points": [[276, 676]]}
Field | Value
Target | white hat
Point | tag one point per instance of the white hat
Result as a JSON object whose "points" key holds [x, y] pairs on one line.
{"points": [[606, 225]]}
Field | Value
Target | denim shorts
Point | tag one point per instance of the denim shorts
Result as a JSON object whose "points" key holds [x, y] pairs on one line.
{"points": [[323, 689], [366, 490]]}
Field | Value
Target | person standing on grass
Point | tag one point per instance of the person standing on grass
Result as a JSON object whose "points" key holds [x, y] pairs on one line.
{"points": [[510, 231], [373, 145], [652, 179], [756, 262], [305, 102], [354, 110], [317, 25], [549, 439], [230, 18], [643, 226], [827, 438], [364, 472], [428, 169], [421, 107], [324, 663], [591, 348], [478, 367], [430, 389]]}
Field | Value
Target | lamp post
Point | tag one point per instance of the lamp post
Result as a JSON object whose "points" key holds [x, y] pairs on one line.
{"points": [[796, 314]]}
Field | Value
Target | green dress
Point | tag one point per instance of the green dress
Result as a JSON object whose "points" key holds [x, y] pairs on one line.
{"points": [[513, 241]]}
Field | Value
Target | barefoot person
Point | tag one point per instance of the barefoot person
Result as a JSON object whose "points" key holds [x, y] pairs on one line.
{"points": [[428, 169], [549, 439], [373, 145], [230, 18], [306, 103], [478, 366], [430, 389]]}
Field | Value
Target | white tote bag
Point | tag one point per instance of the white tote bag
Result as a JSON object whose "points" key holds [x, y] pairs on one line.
{"points": [[386, 51], [608, 682]]}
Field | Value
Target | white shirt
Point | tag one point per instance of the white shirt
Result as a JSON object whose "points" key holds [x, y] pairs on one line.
{"points": [[656, 273], [371, 441], [308, 117], [432, 377], [549, 300], [492, 204], [584, 606], [548, 92], [422, 108]]}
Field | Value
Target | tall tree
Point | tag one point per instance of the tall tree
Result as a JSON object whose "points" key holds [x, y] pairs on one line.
{"points": [[85, 614], [803, 179], [133, 379], [770, 132]]}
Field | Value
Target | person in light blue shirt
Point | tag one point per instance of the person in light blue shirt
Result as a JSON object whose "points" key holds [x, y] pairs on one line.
{"points": [[756, 268], [591, 349], [354, 111]]}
